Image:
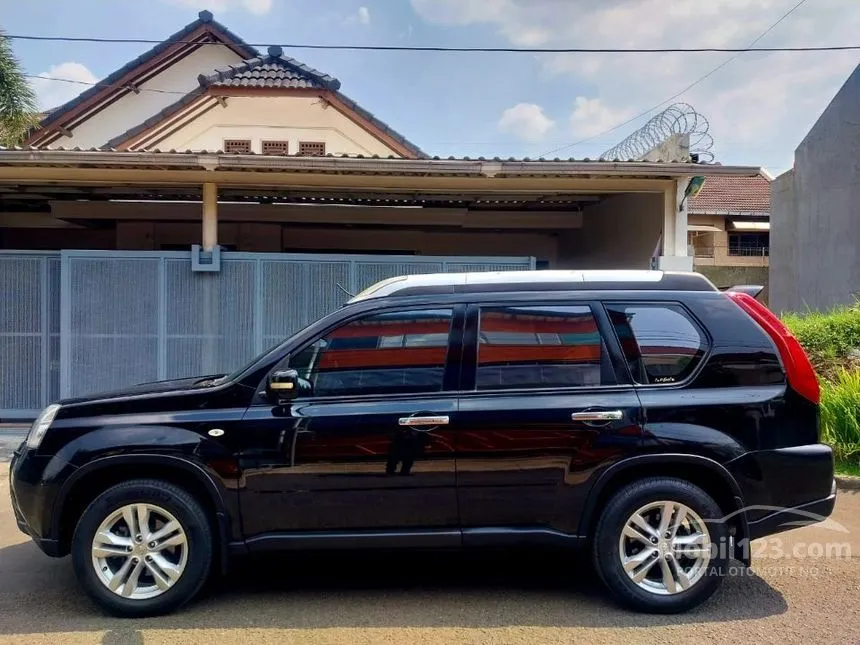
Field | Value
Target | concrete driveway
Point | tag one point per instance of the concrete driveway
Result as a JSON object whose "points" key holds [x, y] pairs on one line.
{"points": [[800, 595]]}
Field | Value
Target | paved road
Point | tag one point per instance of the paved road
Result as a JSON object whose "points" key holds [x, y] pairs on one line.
{"points": [[10, 438], [470, 598]]}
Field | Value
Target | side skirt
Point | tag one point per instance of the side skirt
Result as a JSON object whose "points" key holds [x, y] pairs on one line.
{"points": [[406, 539]]}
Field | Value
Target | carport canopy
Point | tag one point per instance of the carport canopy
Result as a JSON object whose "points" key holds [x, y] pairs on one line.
{"points": [[572, 214]]}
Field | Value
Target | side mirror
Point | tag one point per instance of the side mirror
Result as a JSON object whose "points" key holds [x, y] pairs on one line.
{"points": [[282, 386]]}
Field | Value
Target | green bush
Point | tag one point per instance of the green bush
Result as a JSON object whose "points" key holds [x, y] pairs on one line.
{"points": [[840, 414], [829, 338], [832, 341]]}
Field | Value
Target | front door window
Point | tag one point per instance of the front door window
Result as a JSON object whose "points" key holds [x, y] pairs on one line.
{"points": [[401, 352]]}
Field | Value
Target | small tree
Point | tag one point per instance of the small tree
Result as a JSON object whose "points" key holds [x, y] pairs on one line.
{"points": [[17, 100]]}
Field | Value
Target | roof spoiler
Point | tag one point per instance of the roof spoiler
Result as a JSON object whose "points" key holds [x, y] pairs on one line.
{"points": [[750, 289]]}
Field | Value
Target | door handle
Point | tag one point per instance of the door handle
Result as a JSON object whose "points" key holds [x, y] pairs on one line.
{"points": [[423, 421], [598, 415]]}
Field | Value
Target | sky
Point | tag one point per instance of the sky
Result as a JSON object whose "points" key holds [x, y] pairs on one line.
{"points": [[759, 105]]}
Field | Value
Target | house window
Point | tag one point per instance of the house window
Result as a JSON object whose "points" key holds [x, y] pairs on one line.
{"points": [[276, 147], [312, 148], [749, 244], [700, 245], [237, 146]]}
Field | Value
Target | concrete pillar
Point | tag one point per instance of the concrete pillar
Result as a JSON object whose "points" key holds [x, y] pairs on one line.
{"points": [[675, 256], [681, 217], [210, 216]]}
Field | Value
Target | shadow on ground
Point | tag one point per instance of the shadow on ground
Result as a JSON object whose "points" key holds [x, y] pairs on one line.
{"points": [[469, 589]]}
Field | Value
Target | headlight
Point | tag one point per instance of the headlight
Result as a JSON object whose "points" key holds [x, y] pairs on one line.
{"points": [[41, 424]]}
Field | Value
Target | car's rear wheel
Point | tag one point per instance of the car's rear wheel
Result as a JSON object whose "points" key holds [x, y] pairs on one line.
{"points": [[143, 547], [661, 545]]}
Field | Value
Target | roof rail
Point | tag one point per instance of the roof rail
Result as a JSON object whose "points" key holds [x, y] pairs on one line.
{"points": [[502, 281]]}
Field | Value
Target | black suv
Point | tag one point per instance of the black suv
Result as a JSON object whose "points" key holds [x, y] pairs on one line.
{"points": [[647, 416]]}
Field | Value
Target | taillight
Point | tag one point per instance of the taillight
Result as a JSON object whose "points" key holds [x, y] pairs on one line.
{"points": [[798, 369]]}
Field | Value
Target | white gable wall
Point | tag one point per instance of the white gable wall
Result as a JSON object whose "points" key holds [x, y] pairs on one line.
{"points": [[276, 118], [132, 109]]}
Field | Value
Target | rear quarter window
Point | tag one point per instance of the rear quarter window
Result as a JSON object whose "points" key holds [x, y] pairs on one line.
{"points": [[661, 342]]}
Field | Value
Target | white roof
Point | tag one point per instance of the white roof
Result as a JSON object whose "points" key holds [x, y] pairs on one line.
{"points": [[392, 285]]}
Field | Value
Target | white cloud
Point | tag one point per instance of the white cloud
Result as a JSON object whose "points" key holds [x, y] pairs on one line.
{"points": [[257, 7], [759, 104], [526, 121], [53, 93], [364, 15], [591, 117]]}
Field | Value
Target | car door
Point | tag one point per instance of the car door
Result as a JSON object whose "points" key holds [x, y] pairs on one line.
{"points": [[366, 446], [544, 404]]}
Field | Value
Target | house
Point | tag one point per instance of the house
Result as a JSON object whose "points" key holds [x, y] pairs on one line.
{"points": [[816, 212], [729, 229], [204, 88], [206, 200]]}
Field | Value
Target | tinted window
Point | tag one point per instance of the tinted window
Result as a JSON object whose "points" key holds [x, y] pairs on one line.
{"points": [[539, 347], [661, 342], [391, 353]]}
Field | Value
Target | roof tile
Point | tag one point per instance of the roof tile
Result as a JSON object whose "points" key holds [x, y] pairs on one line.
{"points": [[724, 194], [204, 17], [273, 70]]}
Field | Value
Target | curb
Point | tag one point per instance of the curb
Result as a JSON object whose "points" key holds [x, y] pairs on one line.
{"points": [[847, 482]]}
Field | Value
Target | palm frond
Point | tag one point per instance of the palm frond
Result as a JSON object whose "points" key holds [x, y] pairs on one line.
{"points": [[18, 112]]}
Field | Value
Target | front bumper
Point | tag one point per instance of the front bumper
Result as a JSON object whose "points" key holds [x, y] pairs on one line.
{"points": [[28, 500]]}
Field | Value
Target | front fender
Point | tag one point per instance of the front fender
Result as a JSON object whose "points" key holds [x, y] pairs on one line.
{"points": [[212, 465]]}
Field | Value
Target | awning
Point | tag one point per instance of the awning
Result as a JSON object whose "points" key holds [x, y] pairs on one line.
{"points": [[703, 228], [750, 226]]}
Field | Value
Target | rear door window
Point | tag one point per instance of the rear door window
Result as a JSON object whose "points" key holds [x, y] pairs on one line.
{"points": [[661, 341], [540, 346]]}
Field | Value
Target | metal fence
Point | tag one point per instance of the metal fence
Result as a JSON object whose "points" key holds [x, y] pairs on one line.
{"points": [[77, 322], [29, 330], [759, 254]]}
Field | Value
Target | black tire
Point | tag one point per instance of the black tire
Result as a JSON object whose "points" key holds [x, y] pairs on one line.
{"points": [[605, 545], [187, 512]]}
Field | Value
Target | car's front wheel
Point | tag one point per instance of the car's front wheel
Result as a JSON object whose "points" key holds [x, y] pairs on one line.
{"points": [[143, 547], [661, 545]]}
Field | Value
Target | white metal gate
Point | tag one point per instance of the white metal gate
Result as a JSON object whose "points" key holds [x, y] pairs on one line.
{"points": [[78, 322], [29, 331]]}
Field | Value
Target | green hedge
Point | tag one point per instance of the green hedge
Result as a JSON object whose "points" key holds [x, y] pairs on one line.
{"points": [[840, 415], [832, 341], [829, 338]]}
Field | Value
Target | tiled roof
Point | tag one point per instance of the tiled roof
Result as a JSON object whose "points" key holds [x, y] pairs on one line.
{"points": [[382, 125], [721, 195], [274, 70], [156, 118], [204, 17], [700, 167]]}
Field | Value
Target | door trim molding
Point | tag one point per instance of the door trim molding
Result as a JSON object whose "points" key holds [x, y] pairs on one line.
{"points": [[325, 540], [491, 536]]}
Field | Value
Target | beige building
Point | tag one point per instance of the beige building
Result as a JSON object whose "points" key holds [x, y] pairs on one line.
{"points": [[206, 200], [729, 229], [204, 118]]}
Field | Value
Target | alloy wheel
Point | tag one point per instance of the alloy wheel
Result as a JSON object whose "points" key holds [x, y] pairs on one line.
{"points": [[665, 547], [140, 551]]}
